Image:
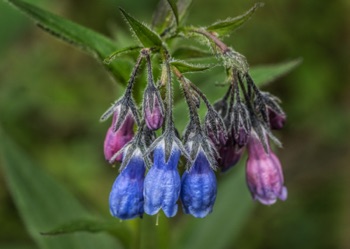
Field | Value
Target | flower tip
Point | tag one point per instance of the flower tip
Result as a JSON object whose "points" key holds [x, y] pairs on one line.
{"points": [[284, 194]]}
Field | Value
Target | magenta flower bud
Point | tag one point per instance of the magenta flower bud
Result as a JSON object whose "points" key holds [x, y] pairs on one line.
{"points": [[229, 156], [264, 174], [277, 119], [115, 140], [153, 109]]}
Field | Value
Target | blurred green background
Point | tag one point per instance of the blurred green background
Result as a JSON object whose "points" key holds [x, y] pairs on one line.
{"points": [[52, 95]]}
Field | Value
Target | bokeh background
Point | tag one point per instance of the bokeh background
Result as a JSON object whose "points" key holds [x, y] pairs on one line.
{"points": [[52, 95]]}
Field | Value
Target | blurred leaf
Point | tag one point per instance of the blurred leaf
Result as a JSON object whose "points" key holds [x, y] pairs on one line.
{"points": [[173, 7], [92, 42], [43, 203], [222, 226], [265, 74], [146, 36], [92, 226], [189, 53], [185, 67], [119, 52], [183, 6], [227, 26]]}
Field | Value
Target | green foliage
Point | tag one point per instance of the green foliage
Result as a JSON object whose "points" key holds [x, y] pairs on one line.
{"points": [[44, 203], [229, 25], [94, 43], [173, 7], [146, 36], [185, 67]]}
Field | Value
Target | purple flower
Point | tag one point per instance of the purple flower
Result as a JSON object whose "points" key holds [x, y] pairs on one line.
{"points": [[126, 197], [162, 182], [115, 140], [264, 173], [229, 156], [153, 109], [198, 189], [276, 119]]}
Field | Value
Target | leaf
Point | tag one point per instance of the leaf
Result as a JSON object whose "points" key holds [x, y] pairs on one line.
{"points": [[222, 226], [185, 67], [92, 226], [119, 52], [92, 42], [173, 7], [44, 203], [227, 26], [265, 74], [189, 53], [183, 6], [147, 37]]}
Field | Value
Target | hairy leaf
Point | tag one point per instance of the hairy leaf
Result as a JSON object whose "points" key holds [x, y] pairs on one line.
{"points": [[92, 42], [227, 26], [185, 67], [147, 37], [189, 53], [119, 52]]}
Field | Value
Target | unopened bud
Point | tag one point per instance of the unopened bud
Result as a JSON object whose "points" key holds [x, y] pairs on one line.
{"points": [[153, 108], [115, 140]]}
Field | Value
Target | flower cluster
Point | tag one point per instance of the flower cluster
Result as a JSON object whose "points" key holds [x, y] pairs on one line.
{"points": [[149, 179]]}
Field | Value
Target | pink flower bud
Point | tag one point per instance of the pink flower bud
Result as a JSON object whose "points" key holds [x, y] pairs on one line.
{"points": [[153, 110], [264, 174], [115, 141], [229, 156], [276, 119]]}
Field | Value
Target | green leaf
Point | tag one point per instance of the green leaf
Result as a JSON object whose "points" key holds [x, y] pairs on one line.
{"points": [[189, 53], [119, 52], [185, 67], [265, 74], [147, 37], [227, 26], [183, 6], [173, 7], [44, 203], [92, 42], [219, 229], [92, 226]]}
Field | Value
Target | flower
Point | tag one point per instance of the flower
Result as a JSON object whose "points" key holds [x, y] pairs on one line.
{"points": [[276, 119], [264, 173], [115, 140], [162, 182], [153, 109], [198, 187], [229, 156], [126, 197]]}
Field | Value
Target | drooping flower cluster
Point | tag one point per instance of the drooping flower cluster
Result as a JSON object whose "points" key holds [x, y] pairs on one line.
{"points": [[149, 179]]}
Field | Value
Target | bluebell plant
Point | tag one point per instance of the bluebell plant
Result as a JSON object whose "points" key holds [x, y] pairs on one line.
{"points": [[149, 179]]}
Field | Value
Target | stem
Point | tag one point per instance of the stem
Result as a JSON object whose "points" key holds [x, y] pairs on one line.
{"points": [[169, 93], [133, 76], [149, 69], [191, 105], [223, 47]]}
